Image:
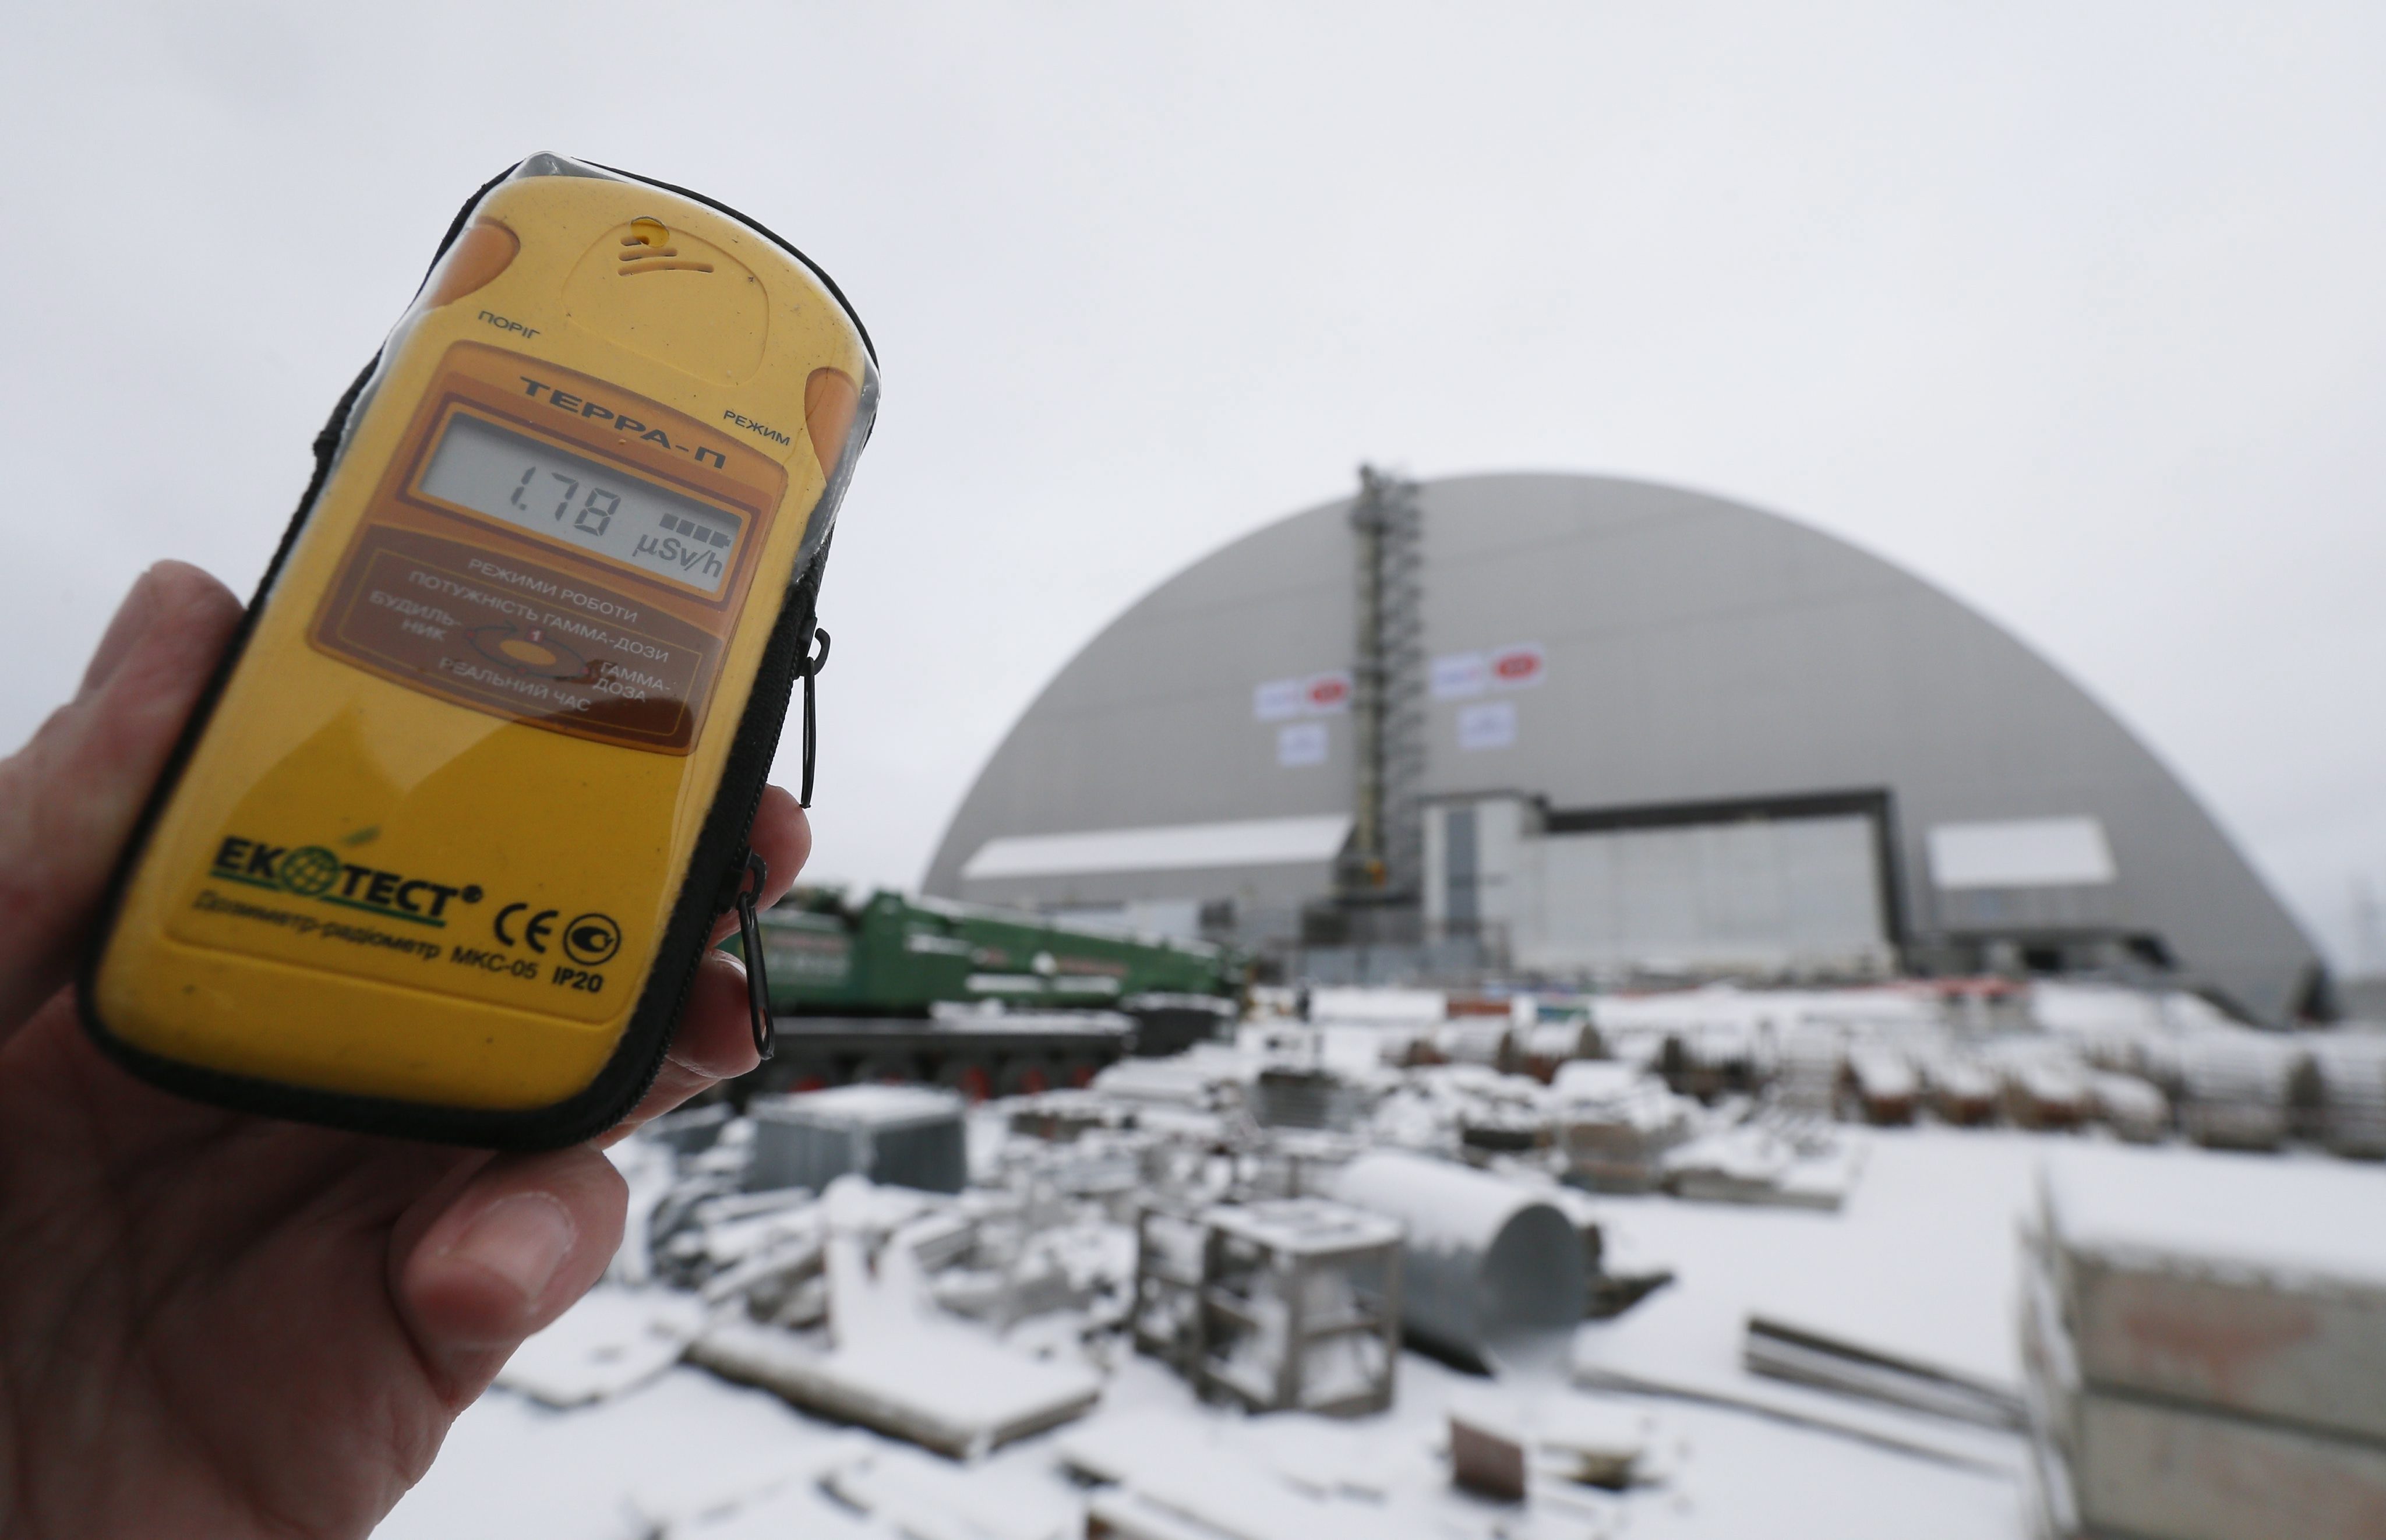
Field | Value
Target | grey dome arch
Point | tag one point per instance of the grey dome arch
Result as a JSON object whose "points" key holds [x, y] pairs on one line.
{"points": [[1699, 652]]}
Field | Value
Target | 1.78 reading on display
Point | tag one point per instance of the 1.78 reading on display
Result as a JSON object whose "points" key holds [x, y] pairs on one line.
{"points": [[533, 485]]}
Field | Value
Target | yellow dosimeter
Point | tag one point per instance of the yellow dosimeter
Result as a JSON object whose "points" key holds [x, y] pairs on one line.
{"points": [[441, 848]]}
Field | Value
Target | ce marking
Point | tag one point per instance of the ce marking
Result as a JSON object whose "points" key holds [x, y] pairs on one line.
{"points": [[534, 930]]}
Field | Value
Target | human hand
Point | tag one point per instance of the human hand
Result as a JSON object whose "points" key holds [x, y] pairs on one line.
{"points": [[224, 1325]]}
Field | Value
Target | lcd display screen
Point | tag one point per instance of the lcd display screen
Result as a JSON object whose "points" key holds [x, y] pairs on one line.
{"points": [[533, 485]]}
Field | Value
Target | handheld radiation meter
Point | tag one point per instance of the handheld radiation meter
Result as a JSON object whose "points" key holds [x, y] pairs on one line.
{"points": [[441, 846]]}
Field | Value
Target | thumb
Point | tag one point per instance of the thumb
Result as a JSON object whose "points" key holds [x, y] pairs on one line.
{"points": [[500, 1250], [70, 796]]}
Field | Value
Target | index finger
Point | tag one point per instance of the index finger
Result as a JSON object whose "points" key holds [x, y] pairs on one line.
{"points": [[783, 837], [714, 1040]]}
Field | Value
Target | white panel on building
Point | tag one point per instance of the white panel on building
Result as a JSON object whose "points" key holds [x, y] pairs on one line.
{"points": [[1770, 895], [2021, 853], [1752, 894], [1171, 848]]}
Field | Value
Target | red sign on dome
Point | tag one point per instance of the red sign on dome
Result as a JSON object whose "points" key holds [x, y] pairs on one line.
{"points": [[1518, 667], [1327, 693]]}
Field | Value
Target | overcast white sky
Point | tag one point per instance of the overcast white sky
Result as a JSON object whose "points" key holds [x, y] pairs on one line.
{"points": [[2073, 308]]}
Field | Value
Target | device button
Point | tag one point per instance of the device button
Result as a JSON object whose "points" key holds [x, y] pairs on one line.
{"points": [[830, 398], [526, 652], [484, 250]]}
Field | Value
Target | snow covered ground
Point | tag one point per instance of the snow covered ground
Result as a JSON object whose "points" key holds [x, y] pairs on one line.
{"points": [[690, 1457], [1920, 1261]]}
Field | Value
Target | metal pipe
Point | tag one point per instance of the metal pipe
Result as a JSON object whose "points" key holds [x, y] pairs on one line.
{"points": [[1490, 1276]]}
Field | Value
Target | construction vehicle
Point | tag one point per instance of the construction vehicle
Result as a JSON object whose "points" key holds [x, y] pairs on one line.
{"points": [[989, 1002]]}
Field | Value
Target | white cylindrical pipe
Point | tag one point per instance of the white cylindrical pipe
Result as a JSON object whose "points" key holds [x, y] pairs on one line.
{"points": [[1490, 1275]]}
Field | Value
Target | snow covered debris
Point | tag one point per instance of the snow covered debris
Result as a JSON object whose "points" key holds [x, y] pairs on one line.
{"points": [[1887, 1088], [2349, 1072], [1307, 1096], [614, 1340], [1194, 1476], [1787, 1351], [2044, 1083], [1615, 1123], [799, 1511], [907, 1135], [1281, 1305], [954, 1391], [1204, 1079], [657, 1460], [2133, 1108], [1501, 1443], [1918, 1264], [1787, 1162], [896, 1363], [922, 1497]]}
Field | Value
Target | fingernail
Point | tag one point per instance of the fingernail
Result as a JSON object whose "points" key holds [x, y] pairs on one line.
{"points": [[522, 1239], [132, 622]]}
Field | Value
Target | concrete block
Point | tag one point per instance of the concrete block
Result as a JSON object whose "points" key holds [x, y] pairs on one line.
{"points": [[2118, 1463], [2250, 1287]]}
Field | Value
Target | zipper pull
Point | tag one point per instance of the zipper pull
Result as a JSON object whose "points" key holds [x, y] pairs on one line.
{"points": [[749, 936], [810, 668]]}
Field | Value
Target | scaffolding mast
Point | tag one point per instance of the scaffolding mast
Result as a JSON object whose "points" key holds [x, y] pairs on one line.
{"points": [[1386, 857]]}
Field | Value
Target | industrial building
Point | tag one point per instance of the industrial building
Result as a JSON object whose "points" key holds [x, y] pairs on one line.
{"points": [[1579, 728]]}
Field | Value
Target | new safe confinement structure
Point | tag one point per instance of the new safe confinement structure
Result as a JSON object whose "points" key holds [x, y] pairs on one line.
{"points": [[1580, 728]]}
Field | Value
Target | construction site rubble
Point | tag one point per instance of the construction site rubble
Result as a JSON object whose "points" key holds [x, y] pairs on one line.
{"points": [[1383, 1275]]}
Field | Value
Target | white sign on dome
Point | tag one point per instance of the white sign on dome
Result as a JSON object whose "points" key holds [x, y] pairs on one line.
{"points": [[1460, 674], [1277, 700], [1491, 724], [1300, 743]]}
